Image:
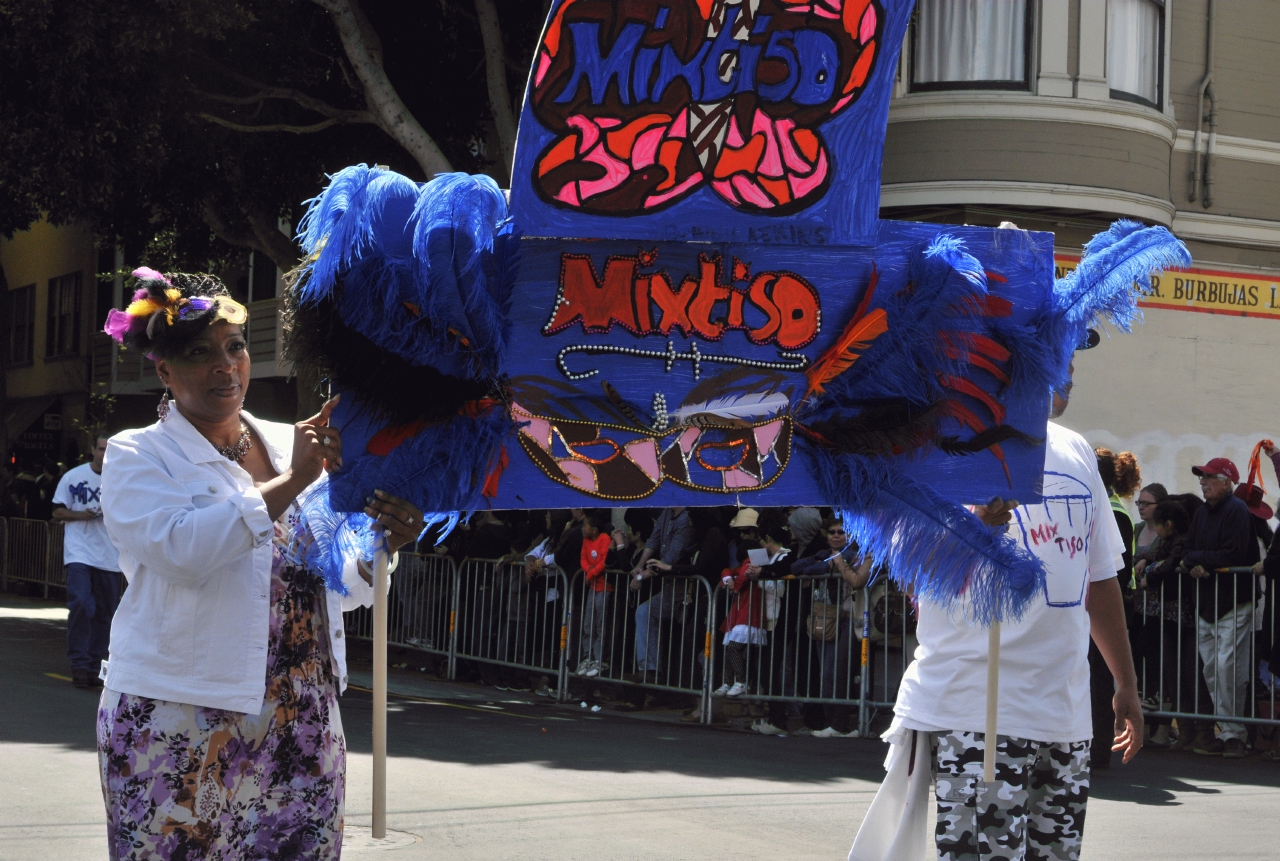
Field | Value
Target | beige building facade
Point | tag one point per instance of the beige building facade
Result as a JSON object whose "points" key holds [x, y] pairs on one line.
{"points": [[1064, 115], [59, 284]]}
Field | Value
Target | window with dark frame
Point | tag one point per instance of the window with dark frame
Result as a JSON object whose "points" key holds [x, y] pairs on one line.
{"points": [[971, 45], [20, 328], [63, 329], [1135, 51]]}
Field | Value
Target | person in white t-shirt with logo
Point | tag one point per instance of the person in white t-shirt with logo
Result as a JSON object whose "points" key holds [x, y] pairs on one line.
{"points": [[1035, 808], [92, 566]]}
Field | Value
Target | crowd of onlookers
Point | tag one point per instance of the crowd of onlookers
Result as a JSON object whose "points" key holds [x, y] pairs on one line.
{"points": [[26, 490], [1198, 576], [783, 587], [1197, 579]]}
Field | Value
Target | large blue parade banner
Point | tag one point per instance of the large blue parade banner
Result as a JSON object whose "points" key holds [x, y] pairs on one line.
{"points": [[690, 299]]}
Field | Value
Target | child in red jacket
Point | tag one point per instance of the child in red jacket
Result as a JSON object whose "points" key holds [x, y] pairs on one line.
{"points": [[597, 553]]}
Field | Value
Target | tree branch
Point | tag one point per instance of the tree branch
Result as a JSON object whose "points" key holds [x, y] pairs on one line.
{"points": [[224, 231], [273, 242], [495, 70], [356, 117], [364, 51]]}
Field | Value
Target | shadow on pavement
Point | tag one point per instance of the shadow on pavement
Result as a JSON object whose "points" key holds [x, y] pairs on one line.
{"points": [[464, 723]]}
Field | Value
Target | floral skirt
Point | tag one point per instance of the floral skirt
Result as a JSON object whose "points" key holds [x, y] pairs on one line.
{"points": [[183, 782]]}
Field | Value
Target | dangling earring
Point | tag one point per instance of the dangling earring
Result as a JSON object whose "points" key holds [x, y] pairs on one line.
{"points": [[162, 409]]}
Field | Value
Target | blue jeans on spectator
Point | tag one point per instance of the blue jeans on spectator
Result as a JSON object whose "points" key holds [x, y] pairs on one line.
{"points": [[648, 629], [92, 596]]}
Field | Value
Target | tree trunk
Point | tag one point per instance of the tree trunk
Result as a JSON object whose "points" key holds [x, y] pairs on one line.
{"points": [[495, 62], [364, 51]]}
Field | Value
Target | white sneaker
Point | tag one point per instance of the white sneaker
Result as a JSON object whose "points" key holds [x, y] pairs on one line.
{"points": [[737, 690], [721, 691], [763, 727], [592, 670], [582, 668], [830, 732]]}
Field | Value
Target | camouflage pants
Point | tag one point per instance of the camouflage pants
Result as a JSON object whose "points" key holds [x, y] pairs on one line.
{"points": [[1033, 812]]}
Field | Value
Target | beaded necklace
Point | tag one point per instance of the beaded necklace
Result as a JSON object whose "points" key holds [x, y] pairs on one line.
{"points": [[241, 447]]}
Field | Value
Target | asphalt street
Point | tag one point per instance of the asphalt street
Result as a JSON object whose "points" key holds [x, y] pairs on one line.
{"points": [[476, 776]]}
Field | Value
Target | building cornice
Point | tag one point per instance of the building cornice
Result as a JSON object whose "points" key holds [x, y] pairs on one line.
{"points": [[1239, 149], [1226, 229], [962, 105], [1033, 194]]}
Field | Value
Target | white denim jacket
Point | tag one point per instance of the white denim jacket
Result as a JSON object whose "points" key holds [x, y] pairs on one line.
{"points": [[195, 545]]}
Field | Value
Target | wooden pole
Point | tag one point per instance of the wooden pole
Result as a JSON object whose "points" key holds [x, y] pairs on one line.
{"points": [[993, 700], [380, 695]]}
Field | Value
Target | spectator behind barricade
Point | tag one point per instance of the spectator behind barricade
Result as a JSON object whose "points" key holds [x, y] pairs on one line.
{"points": [[1164, 632], [92, 566], [743, 625], [40, 501], [1121, 477], [781, 621], [1222, 537], [805, 526], [1148, 498], [672, 542], [832, 620], [490, 537], [629, 541], [597, 554]]}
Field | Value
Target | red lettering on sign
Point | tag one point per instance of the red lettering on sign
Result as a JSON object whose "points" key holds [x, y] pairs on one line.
{"points": [[702, 305]]}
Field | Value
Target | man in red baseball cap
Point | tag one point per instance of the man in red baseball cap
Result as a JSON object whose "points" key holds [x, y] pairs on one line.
{"points": [[1222, 536]]}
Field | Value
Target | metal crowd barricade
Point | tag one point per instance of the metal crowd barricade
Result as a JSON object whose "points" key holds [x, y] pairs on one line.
{"points": [[55, 572], [510, 619], [4, 553], [1194, 670], [660, 640], [806, 647], [27, 552], [422, 608]]}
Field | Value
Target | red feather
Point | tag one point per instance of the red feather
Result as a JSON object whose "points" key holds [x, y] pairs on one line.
{"points": [[853, 342]]}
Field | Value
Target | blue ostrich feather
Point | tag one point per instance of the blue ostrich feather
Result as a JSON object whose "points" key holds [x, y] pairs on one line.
{"points": [[459, 280], [933, 547], [929, 299], [1115, 270], [335, 536], [362, 211]]}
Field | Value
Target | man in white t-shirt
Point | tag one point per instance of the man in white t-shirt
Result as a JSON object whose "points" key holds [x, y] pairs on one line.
{"points": [[1035, 808], [92, 566]]}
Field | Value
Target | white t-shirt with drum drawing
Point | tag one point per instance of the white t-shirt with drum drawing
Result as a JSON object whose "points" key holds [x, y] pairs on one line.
{"points": [[1044, 668]]}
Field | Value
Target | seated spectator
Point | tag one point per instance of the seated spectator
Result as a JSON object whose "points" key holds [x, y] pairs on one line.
{"points": [[597, 554]]}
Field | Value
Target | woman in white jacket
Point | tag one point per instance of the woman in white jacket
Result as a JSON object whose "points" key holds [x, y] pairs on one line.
{"points": [[218, 730]]}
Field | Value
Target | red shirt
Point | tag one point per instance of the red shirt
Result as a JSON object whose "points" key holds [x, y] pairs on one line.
{"points": [[594, 552]]}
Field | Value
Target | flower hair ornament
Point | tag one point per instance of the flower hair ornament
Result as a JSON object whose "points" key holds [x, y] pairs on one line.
{"points": [[161, 301]]}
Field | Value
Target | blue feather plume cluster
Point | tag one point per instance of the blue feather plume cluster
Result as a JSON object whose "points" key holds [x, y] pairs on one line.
{"points": [[334, 536], [1115, 269], [943, 283], [416, 268], [935, 548]]}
